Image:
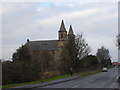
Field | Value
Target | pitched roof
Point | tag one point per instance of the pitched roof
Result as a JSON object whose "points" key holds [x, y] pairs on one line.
{"points": [[42, 45], [62, 27]]}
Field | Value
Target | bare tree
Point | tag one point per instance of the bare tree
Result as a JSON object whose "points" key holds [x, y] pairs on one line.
{"points": [[82, 46]]}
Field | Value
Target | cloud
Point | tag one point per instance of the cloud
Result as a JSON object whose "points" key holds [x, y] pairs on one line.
{"points": [[38, 21], [8, 7], [87, 17], [8, 50], [96, 20]]}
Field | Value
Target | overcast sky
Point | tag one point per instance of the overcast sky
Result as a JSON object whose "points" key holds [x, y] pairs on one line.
{"points": [[98, 21]]}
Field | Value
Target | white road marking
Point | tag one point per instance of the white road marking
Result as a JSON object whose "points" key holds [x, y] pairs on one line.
{"points": [[114, 84], [75, 86]]}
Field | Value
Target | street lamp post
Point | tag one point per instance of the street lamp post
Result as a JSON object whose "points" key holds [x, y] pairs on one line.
{"points": [[99, 62]]}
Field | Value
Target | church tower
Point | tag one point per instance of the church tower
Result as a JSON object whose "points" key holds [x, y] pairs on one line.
{"points": [[71, 35], [62, 32]]}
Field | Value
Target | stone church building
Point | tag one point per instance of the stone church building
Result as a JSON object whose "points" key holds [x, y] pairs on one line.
{"points": [[54, 47]]}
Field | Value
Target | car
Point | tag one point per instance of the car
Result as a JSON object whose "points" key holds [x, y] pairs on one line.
{"points": [[104, 69]]}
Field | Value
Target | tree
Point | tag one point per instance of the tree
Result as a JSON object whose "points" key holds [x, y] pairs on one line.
{"points": [[19, 72], [22, 68], [21, 54], [90, 62], [104, 56], [68, 56], [82, 46], [6, 72], [72, 51]]}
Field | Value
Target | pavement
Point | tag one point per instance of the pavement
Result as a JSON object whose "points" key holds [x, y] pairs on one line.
{"points": [[50, 82]]}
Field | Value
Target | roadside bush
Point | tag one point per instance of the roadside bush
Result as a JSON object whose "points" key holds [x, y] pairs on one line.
{"points": [[50, 74], [19, 72]]}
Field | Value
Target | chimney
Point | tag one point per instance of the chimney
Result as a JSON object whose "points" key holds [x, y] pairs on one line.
{"points": [[28, 40]]}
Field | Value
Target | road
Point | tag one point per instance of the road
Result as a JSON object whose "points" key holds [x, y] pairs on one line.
{"points": [[100, 80]]}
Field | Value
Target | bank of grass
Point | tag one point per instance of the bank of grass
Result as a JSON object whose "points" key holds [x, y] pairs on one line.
{"points": [[34, 82], [50, 79], [90, 73]]}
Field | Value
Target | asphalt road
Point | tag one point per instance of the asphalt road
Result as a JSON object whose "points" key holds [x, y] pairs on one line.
{"points": [[100, 80]]}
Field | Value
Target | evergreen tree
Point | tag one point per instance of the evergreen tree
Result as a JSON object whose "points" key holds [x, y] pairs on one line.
{"points": [[21, 54], [103, 56], [90, 62]]}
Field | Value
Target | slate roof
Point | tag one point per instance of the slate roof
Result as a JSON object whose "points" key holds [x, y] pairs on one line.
{"points": [[42, 45]]}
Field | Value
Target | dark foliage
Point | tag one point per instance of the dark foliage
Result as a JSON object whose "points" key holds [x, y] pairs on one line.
{"points": [[104, 57], [21, 54], [25, 68], [19, 72], [21, 69], [90, 62], [69, 57]]}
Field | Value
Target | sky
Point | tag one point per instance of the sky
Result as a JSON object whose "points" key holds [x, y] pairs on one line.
{"points": [[98, 21]]}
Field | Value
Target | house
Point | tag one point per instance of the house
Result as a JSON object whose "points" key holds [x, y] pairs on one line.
{"points": [[115, 63]]}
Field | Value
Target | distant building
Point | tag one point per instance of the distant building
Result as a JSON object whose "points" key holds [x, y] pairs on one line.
{"points": [[54, 47], [115, 63]]}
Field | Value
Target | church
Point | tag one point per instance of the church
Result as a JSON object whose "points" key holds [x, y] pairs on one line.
{"points": [[54, 47]]}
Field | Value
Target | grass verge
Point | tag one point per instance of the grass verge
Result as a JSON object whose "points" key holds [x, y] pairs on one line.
{"points": [[41, 81], [90, 73], [50, 79]]}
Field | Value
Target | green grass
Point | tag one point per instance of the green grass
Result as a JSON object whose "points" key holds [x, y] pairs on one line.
{"points": [[41, 81], [90, 73], [50, 79]]}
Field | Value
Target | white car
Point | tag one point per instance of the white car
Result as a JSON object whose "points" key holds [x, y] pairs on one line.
{"points": [[104, 69]]}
